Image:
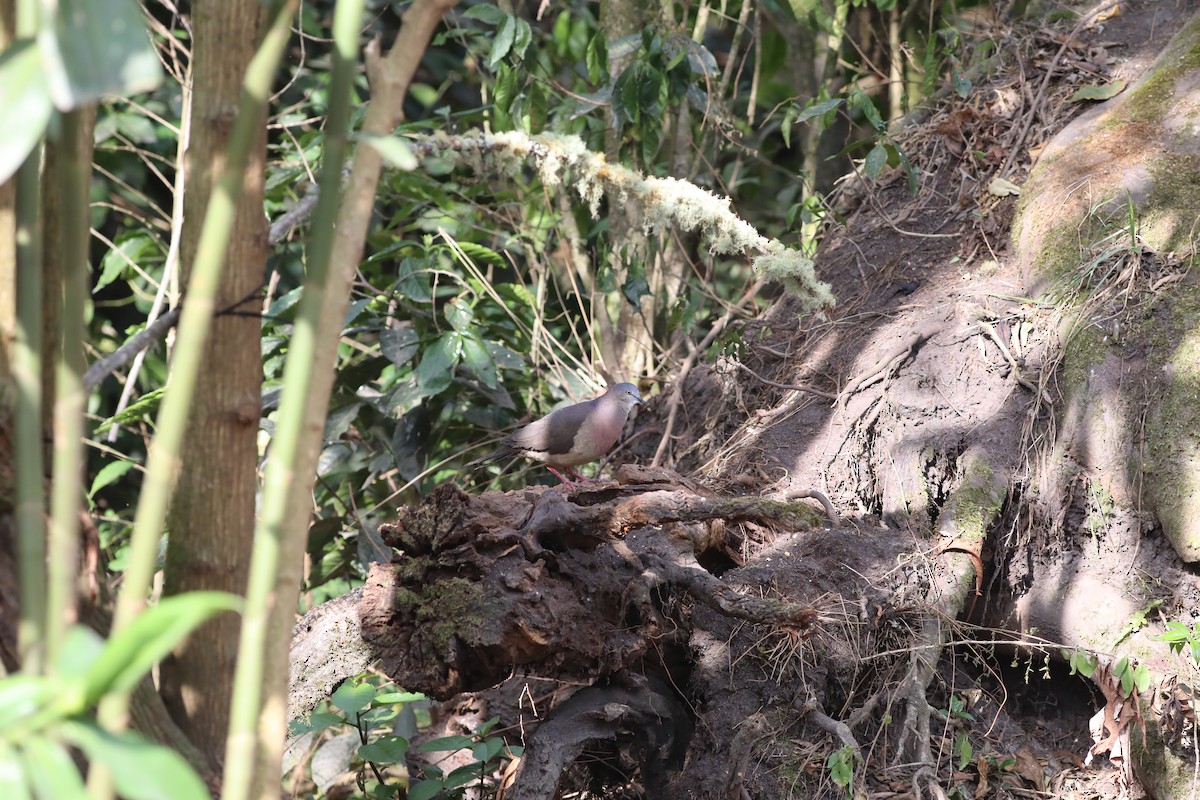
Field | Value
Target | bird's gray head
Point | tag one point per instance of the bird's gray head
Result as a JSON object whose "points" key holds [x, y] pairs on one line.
{"points": [[626, 395]]}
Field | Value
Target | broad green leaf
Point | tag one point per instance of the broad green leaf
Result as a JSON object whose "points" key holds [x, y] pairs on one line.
{"points": [[387, 750], [467, 773], [424, 790], [458, 313], [446, 743], [1141, 677], [818, 109], [523, 36], [21, 696], [398, 697], [57, 777], [24, 96], [506, 33], [134, 248], [597, 59], [488, 749], [96, 47], [396, 152], [876, 160], [486, 13], [504, 357], [864, 104], [130, 653], [399, 345], [78, 652], [108, 474], [962, 746], [12, 775], [476, 356], [436, 369], [141, 770], [352, 697]]}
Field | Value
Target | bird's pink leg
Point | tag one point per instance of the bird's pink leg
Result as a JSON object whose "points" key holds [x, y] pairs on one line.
{"points": [[583, 478], [560, 476]]}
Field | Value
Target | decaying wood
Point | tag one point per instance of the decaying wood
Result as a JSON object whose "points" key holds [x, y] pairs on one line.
{"points": [[561, 582]]}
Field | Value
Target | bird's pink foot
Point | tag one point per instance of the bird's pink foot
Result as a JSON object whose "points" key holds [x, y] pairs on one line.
{"points": [[562, 477]]}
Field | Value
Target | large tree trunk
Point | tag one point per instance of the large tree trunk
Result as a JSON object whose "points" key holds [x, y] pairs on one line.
{"points": [[212, 515]]}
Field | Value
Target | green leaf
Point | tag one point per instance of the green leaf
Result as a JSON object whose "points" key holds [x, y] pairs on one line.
{"points": [[20, 697], [135, 248], [523, 37], [352, 697], [485, 13], [876, 161], [425, 790], [389, 698], [864, 104], [80, 648], [962, 84], [96, 47], [130, 653], [436, 369], [488, 749], [467, 773], [962, 747], [1141, 677], [1104, 91], [446, 743], [109, 473], [399, 345], [505, 35], [597, 59], [387, 750], [458, 313], [477, 358], [57, 777], [505, 92], [12, 775], [140, 770], [395, 151], [24, 96]]}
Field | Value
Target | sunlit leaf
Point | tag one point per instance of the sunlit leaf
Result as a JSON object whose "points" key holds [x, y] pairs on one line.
{"points": [[131, 652], [108, 474], [141, 770], [96, 47], [57, 776], [395, 151], [353, 697], [387, 750], [24, 96], [12, 775]]}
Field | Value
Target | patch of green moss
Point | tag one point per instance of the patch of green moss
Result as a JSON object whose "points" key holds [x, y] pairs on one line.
{"points": [[450, 608], [1165, 224], [1173, 430], [1147, 102], [976, 501]]}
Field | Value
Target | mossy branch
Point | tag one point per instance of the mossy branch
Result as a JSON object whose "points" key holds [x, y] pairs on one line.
{"points": [[663, 202]]}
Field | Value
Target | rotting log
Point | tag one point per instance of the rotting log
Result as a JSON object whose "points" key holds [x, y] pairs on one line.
{"points": [[560, 582], [552, 581]]}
